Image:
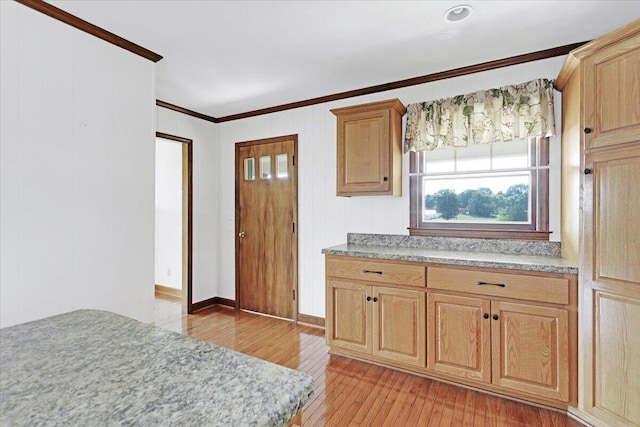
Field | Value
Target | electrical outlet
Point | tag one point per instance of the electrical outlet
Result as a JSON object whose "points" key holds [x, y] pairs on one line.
{"points": [[169, 272]]}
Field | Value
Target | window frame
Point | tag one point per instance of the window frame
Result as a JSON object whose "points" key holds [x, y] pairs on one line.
{"points": [[538, 229]]}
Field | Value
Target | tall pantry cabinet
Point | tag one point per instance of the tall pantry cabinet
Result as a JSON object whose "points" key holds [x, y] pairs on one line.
{"points": [[600, 84]]}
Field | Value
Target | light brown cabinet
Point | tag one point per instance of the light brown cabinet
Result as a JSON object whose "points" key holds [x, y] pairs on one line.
{"points": [[508, 332], [514, 346], [520, 347], [369, 149], [530, 349], [459, 336], [374, 320], [601, 78]]}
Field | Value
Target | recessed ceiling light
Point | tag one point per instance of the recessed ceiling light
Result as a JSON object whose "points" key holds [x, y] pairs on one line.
{"points": [[458, 13]]}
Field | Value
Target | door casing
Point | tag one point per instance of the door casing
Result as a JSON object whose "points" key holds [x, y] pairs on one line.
{"points": [[187, 218]]}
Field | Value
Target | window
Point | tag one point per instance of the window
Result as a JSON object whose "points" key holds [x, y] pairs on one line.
{"points": [[484, 190]]}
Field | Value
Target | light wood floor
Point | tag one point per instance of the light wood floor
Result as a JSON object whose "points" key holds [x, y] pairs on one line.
{"points": [[348, 392]]}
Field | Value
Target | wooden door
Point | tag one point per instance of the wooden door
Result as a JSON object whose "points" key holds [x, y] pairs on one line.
{"points": [[349, 312], [530, 349], [266, 229], [612, 95], [399, 325], [459, 336], [610, 275]]}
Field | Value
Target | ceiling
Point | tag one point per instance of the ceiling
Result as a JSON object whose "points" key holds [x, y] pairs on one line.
{"points": [[228, 57]]}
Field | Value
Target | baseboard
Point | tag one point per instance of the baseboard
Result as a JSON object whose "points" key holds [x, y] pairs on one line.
{"points": [[212, 301], [584, 418], [168, 290], [203, 304], [225, 301], [302, 318], [311, 320]]}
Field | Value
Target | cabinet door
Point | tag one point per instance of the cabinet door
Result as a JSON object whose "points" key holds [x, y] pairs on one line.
{"points": [[459, 336], [616, 371], [364, 153], [612, 94], [349, 314], [610, 286], [530, 349], [399, 325]]}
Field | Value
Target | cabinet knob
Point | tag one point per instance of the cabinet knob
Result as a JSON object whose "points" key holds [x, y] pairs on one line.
{"points": [[587, 130], [385, 179], [368, 298], [375, 299], [587, 171], [485, 316], [495, 317]]}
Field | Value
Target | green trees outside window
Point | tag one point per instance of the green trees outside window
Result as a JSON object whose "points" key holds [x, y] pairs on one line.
{"points": [[480, 204]]}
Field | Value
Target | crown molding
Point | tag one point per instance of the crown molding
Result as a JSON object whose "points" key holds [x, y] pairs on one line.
{"points": [[87, 27]]}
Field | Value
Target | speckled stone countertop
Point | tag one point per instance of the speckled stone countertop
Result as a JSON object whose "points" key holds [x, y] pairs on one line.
{"points": [[95, 368], [495, 253]]}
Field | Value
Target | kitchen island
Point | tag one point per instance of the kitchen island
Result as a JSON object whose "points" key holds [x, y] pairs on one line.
{"points": [[92, 367]]}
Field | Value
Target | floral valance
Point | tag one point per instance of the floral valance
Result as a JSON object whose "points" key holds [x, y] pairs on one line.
{"points": [[494, 115]]}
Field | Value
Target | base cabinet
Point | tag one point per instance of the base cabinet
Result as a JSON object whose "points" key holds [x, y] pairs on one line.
{"points": [[514, 346], [459, 336], [376, 320], [530, 349], [350, 316], [504, 331]]}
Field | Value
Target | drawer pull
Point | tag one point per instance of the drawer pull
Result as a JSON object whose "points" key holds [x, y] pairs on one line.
{"points": [[502, 285], [372, 272]]}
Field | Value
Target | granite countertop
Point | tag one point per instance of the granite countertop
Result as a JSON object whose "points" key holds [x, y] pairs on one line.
{"points": [[91, 367], [518, 255]]}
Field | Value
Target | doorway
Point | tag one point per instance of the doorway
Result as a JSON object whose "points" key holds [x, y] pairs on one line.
{"points": [[266, 226], [174, 217]]}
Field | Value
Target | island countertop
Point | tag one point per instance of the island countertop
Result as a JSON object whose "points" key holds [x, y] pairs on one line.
{"points": [[403, 248], [91, 367]]}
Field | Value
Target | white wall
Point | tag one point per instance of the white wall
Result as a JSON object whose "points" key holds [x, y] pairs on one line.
{"points": [[77, 171], [205, 197], [168, 235], [324, 218]]}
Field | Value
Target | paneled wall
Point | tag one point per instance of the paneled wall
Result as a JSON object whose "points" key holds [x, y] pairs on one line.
{"points": [[77, 171], [324, 218], [206, 244]]}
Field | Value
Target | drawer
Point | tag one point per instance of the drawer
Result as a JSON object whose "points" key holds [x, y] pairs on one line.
{"points": [[376, 271], [509, 285]]}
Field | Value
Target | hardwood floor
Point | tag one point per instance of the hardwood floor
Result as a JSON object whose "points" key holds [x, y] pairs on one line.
{"points": [[349, 392]]}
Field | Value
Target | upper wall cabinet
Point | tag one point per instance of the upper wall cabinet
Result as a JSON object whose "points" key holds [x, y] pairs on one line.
{"points": [[369, 151], [612, 94]]}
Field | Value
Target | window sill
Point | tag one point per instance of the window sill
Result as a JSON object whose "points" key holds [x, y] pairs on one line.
{"points": [[482, 234]]}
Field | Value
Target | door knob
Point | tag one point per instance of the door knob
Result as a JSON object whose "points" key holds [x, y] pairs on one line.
{"points": [[242, 234]]}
